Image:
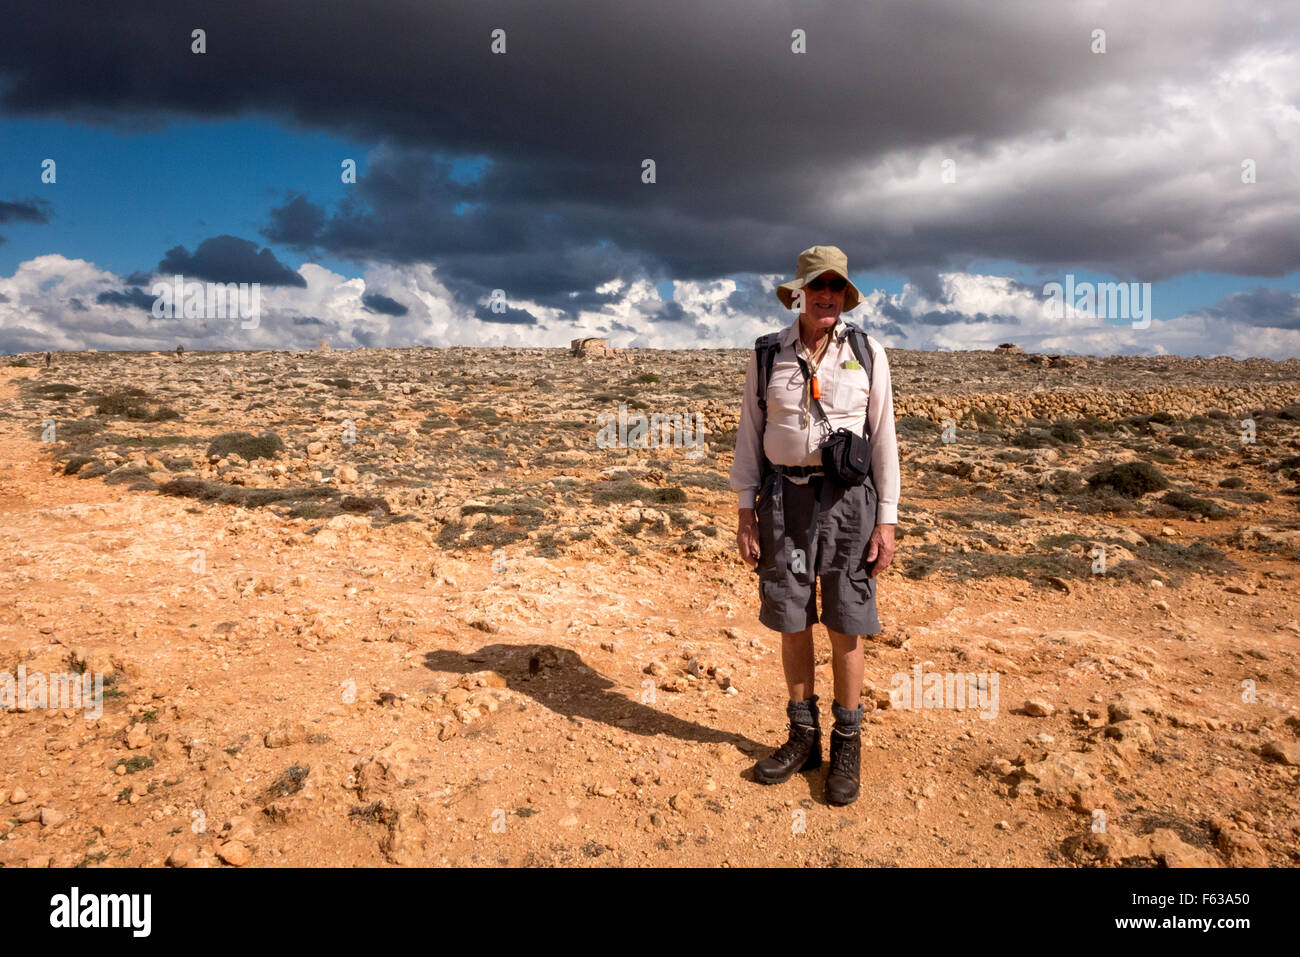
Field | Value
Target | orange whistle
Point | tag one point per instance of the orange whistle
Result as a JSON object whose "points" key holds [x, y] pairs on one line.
{"points": [[816, 390]]}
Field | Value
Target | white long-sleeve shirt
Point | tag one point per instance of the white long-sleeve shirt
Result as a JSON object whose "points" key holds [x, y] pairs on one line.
{"points": [[795, 432]]}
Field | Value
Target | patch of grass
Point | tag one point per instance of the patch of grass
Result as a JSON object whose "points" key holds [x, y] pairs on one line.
{"points": [[1185, 441], [72, 465], [145, 441], [246, 445], [121, 404], [1196, 557], [79, 429], [626, 490], [57, 390], [1090, 424], [713, 481], [647, 377], [290, 781], [140, 762], [915, 423], [186, 487], [360, 505], [1197, 506], [374, 812], [484, 533], [996, 518]]}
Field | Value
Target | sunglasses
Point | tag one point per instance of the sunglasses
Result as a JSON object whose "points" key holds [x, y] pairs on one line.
{"points": [[821, 282]]}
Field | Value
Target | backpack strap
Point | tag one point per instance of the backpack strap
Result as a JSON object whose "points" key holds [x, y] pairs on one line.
{"points": [[766, 347], [861, 348]]}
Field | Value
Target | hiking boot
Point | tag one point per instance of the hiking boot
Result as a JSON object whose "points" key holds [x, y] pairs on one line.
{"points": [[846, 755], [802, 751]]}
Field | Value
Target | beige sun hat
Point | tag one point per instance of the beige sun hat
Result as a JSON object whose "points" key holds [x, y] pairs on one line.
{"points": [[812, 263]]}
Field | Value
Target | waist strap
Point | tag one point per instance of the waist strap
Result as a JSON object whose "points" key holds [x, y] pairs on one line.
{"points": [[799, 471]]}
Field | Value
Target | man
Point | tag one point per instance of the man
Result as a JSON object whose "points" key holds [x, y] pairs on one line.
{"points": [[796, 524]]}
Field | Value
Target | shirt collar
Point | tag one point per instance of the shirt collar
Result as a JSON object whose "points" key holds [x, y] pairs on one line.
{"points": [[791, 332]]}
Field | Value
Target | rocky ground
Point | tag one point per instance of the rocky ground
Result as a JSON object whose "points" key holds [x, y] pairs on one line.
{"points": [[397, 606]]}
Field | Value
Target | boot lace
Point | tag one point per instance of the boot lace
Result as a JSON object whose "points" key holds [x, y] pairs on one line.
{"points": [[794, 743], [846, 754]]}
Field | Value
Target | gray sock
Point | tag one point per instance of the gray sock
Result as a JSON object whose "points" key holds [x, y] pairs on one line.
{"points": [[846, 721], [803, 712]]}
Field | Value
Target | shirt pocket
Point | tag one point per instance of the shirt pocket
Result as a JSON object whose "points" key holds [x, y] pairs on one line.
{"points": [[850, 391]]}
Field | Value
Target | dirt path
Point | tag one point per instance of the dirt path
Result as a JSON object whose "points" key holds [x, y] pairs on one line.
{"points": [[358, 696]]}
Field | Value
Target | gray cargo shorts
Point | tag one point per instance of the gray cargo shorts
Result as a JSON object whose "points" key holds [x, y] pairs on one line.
{"points": [[820, 529]]}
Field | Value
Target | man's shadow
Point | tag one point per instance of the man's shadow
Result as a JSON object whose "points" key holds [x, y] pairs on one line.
{"points": [[558, 679]]}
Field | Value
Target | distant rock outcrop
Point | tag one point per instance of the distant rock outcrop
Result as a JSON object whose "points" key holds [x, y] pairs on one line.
{"points": [[591, 347]]}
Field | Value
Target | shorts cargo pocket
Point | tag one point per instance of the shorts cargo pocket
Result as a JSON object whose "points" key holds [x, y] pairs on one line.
{"points": [[771, 543], [859, 571], [860, 577]]}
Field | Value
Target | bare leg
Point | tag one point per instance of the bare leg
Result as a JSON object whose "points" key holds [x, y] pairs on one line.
{"points": [[797, 660], [847, 665]]}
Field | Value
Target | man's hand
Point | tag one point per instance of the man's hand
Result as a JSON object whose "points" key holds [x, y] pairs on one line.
{"points": [[880, 550], [747, 537]]}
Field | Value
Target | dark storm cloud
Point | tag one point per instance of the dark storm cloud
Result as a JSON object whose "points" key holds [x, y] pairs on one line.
{"points": [[1270, 308], [229, 259], [670, 311], [306, 321], [759, 152], [138, 278], [510, 316], [127, 297], [28, 211], [383, 305]]}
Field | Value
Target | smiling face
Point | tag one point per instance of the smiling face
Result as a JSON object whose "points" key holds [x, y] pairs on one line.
{"points": [[822, 306]]}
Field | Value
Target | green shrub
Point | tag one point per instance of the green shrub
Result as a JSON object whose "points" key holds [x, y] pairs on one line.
{"points": [[246, 445], [1132, 479]]}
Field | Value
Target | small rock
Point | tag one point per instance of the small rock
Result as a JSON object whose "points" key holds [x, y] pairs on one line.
{"points": [[234, 854], [682, 802], [52, 818], [1038, 708], [182, 855], [1286, 752]]}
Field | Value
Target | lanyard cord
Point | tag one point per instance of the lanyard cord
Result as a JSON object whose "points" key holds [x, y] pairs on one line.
{"points": [[812, 390]]}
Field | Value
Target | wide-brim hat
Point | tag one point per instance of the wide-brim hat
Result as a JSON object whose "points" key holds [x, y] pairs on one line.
{"points": [[812, 263]]}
